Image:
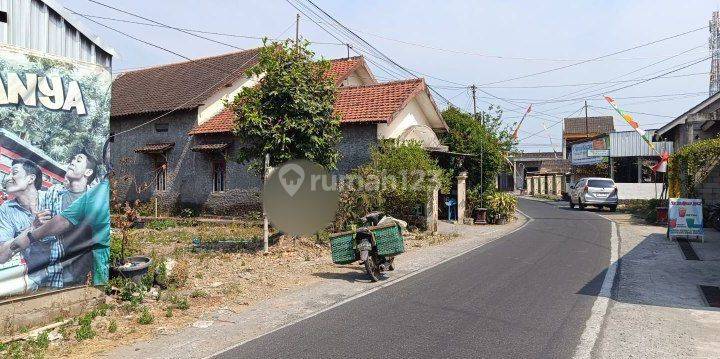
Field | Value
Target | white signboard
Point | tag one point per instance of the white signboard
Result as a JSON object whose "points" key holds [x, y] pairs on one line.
{"points": [[685, 217], [598, 153]]}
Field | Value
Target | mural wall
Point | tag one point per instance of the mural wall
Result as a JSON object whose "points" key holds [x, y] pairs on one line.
{"points": [[54, 216]]}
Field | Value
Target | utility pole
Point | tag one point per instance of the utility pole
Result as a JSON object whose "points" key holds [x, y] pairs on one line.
{"points": [[473, 88], [297, 32], [587, 131], [348, 50]]}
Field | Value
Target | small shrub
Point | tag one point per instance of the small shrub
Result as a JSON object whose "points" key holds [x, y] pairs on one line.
{"points": [[161, 224], [198, 293], [85, 330], [42, 341], [169, 312], [129, 290], [179, 302], [112, 327], [145, 317]]}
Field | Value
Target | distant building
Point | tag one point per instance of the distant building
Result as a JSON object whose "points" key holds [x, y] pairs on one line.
{"points": [[578, 128], [625, 157], [532, 162]]}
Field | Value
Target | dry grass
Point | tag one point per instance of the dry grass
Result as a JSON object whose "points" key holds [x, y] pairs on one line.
{"points": [[206, 281]]}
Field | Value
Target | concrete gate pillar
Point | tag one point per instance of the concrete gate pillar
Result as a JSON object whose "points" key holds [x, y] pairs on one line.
{"points": [[431, 210], [461, 181]]}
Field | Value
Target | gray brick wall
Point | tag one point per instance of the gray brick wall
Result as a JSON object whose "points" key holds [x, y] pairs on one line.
{"points": [[357, 139], [189, 180]]}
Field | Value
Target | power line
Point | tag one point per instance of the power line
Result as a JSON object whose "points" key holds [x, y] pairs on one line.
{"points": [[479, 54], [594, 58], [165, 25], [584, 84], [223, 80], [580, 92], [364, 44], [194, 30]]}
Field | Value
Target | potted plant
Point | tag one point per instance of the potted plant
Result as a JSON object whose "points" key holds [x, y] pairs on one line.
{"points": [[480, 215], [134, 267]]}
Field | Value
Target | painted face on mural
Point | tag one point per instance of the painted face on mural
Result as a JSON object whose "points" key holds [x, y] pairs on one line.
{"points": [[78, 168], [19, 180]]}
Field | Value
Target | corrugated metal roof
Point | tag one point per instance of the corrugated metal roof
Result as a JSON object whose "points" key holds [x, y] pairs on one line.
{"points": [[45, 26], [630, 144]]}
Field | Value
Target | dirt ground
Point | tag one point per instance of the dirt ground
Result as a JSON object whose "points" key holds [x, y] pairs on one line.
{"points": [[202, 281]]}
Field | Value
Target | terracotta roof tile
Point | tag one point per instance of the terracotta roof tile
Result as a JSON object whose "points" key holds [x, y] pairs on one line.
{"points": [[375, 103], [370, 103], [220, 123], [183, 85], [342, 68]]}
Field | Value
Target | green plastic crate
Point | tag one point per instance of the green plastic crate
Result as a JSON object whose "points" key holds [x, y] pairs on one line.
{"points": [[342, 246], [389, 240]]}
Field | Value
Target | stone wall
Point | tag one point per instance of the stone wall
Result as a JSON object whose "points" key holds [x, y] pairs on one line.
{"points": [[710, 190], [189, 173], [357, 139]]}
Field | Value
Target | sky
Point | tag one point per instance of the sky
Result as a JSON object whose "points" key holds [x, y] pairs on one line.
{"points": [[454, 44]]}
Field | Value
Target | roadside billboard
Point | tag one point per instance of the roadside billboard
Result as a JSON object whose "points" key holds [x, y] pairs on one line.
{"points": [[588, 153], [685, 217], [54, 120]]}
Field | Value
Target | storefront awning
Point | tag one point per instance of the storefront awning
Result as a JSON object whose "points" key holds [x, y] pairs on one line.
{"points": [[155, 148], [210, 147]]}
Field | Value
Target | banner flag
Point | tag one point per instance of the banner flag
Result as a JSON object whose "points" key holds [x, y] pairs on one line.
{"points": [[629, 119], [515, 134]]}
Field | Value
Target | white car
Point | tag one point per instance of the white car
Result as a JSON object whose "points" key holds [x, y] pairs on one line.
{"points": [[594, 191]]}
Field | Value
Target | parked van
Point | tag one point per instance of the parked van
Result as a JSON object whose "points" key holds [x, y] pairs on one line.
{"points": [[594, 191]]}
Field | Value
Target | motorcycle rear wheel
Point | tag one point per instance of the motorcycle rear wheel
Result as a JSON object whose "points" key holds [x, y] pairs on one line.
{"points": [[372, 268]]}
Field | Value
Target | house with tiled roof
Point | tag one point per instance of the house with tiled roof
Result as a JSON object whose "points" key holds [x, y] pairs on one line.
{"points": [[185, 154]]}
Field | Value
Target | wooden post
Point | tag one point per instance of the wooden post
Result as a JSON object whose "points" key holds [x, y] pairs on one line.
{"points": [[266, 230]]}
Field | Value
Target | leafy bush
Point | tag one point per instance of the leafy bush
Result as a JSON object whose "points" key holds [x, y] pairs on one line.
{"points": [[645, 208], [398, 181], [500, 205], [691, 165]]}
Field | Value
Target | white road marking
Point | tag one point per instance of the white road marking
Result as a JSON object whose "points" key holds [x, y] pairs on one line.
{"points": [[593, 325], [372, 290]]}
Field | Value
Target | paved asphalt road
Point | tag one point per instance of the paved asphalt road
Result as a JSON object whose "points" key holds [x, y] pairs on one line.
{"points": [[527, 294]]}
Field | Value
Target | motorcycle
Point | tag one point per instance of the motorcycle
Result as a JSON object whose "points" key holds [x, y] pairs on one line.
{"points": [[375, 244], [367, 248]]}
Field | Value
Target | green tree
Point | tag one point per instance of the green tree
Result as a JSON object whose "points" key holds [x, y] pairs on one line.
{"points": [[466, 135], [289, 114]]}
